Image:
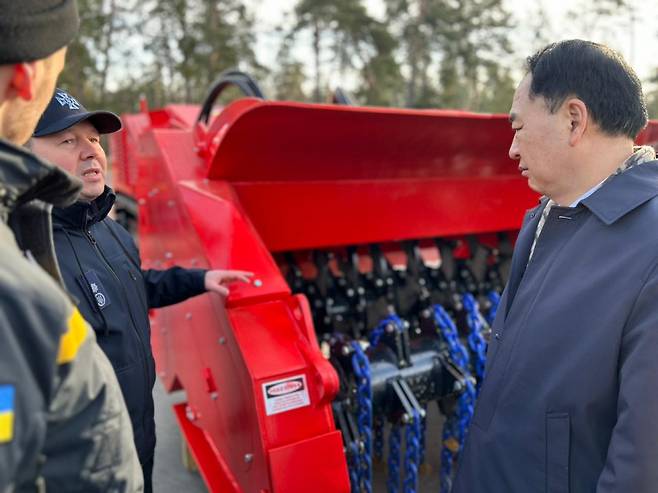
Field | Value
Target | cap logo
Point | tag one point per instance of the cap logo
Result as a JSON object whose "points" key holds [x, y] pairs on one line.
{"points": [[65, 100]]}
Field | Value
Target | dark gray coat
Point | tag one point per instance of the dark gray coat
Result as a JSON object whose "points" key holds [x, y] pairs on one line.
{"points": [[570, 398], [70, 430]]}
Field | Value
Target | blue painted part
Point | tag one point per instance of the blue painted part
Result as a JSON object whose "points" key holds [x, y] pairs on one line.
{"points": [[394, 441], [361, 367], [456, 425]]}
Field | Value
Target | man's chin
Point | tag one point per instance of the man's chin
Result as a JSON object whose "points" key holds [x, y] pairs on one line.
{"points": [[89, 194]]}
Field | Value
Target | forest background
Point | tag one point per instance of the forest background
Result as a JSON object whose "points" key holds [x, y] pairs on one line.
{"points": [[465, 54]]}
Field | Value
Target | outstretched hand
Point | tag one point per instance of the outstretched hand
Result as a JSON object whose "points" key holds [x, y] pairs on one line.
{"points": [[216, 280]]}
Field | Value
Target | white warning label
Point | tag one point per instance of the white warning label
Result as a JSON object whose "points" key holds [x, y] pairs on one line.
{"points": [[286, 394]]}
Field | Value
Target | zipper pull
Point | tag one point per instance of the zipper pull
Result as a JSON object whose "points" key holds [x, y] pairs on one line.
{"points": [[91, 237]]}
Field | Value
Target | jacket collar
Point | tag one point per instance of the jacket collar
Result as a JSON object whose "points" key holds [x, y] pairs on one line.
{"points": [[623, 192], [24, 177], [84, 214]]}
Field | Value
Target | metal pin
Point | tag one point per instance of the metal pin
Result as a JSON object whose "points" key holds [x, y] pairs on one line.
{"points": [[248, 458], [222, 340]]}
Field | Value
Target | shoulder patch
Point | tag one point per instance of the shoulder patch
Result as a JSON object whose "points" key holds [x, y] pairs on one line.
{"points": [[72, 339], [7, 393]]}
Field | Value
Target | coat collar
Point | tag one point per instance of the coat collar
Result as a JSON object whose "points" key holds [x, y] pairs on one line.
{"points": [[24, 177], [84, 214], [624, 192]]}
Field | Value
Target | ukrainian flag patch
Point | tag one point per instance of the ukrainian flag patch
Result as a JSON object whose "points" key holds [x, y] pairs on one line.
{"points": [[7, 393]]}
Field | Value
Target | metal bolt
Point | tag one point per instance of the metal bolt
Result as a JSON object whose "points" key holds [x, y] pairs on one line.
{"points": [[168, 255], [188, 315], [248, 458], [222, 340], [258, 283], [213, 396]]}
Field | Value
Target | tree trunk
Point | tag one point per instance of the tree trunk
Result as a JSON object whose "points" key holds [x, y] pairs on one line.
{"points": [[316, 51]]}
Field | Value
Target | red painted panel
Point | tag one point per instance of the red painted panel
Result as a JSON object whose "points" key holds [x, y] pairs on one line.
{"points": [[310, 466]]}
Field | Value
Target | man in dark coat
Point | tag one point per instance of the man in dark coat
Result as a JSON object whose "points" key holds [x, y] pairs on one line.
{"points": [[101, 265], [63, 424], [570, 397]]}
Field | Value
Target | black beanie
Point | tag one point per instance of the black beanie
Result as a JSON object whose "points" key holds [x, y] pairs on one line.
{"points": [[34, 29]]}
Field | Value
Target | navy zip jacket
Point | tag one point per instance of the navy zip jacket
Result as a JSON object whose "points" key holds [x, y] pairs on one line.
{"points": [[570, 397], [101, 267]]}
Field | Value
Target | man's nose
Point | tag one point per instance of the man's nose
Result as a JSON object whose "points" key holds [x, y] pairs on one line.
{"points": [[88, 150], [514, 150]]}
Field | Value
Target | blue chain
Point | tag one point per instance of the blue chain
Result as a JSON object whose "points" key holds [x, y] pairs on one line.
{"points": [[394, 440], [456, 425], [412, 453], [364, 421], [378, 442], [494, 298], [379, 331], [476, 342], [354, 466]]}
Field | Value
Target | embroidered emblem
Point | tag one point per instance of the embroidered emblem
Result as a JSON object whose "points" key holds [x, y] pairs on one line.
{"points": [[97, 289], [65, 100]]}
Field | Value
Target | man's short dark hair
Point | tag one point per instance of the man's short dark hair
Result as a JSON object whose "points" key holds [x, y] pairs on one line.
{"points": [[598, 76]]}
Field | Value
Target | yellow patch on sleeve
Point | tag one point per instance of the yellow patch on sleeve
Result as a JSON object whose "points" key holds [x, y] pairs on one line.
{"points": [[75, 335], [6, 426]]}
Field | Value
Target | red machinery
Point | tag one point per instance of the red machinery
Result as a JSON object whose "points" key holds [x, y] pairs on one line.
{"points": [[294, 192]]}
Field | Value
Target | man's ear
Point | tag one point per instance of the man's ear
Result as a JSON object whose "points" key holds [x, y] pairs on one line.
{"points": [[578, 119], [21, 83]]}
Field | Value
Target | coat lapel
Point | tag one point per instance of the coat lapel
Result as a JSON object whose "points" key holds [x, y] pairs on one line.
{"points": [[522, 252]]}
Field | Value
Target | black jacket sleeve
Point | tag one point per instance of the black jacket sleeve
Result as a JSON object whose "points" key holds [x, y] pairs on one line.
{"points": [[166, 287], [163, 287]]}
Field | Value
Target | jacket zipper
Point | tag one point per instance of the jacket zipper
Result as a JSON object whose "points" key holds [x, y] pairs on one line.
{"points": [[101, 255]]}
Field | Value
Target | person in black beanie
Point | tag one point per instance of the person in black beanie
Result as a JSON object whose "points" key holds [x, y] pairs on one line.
{"points": [[63, 424]]}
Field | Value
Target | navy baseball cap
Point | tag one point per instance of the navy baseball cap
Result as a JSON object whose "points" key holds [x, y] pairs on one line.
{"points": [[64, 111]]}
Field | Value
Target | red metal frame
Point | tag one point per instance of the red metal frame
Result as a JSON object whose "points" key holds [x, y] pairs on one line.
{"points": [[267, 177]]}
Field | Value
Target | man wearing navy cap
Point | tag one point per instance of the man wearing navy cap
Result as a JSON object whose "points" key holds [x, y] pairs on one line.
{"points": [[101, 265]]}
